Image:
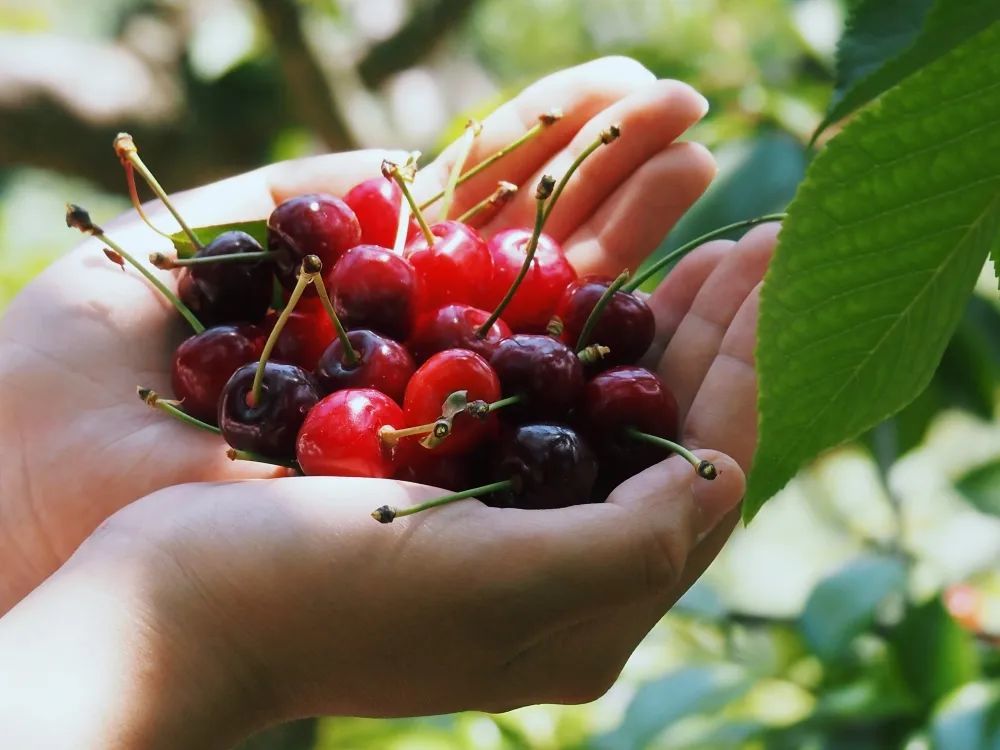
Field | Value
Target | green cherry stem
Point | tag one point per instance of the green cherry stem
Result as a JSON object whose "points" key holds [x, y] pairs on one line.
{"points": [[472, 131], [705, 469], [641, 278], [504, 192], [541, 196], [392, 171], [311, 266], [598, 311], [133, 193], [482, 409], [128, 153], [78, 218], [351, 357], [166, 263], [387, 513], [235, 455], [167, 406], [609, 135], [549, 118]]}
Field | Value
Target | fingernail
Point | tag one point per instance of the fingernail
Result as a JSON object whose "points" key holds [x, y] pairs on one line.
{"points": [[704, 105]]}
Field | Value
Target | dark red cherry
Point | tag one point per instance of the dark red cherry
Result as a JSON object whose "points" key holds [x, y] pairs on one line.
{"points": [[384, 366], [315, 224], [455, 327], [439, 377], [535, 300], [228, 292], [456, 269], [306, 335], [550, 464], [422, 466], [628, 397], [203, 364], [626, 326], [376, 203], [271, 426], [544, 372], [340, 437], [374, 288]]}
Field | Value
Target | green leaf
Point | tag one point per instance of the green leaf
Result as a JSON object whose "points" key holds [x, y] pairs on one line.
{"points": [[981, 487], [256, 229], [659, 704], [843, 605], [881, 249], [888, 40], [969, 718]]}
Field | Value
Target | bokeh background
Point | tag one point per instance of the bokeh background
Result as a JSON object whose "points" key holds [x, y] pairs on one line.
{"points": [[862, 608]]}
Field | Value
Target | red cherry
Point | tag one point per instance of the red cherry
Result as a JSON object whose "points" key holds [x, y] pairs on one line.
{"points": [[376, 203], [626, 326], [314, 224], [455, 327], [306, 335], [203, 364], [384, 366], [340, 436], [374, 288], [456, 269], [628, 397], [544, 372], [535, 300], [439, 377]]}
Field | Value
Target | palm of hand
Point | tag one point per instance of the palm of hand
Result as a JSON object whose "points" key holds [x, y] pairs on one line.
{"points": [[76, 343]]}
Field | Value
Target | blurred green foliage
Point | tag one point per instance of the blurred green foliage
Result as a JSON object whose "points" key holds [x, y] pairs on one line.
{"points": [[862, 610]]}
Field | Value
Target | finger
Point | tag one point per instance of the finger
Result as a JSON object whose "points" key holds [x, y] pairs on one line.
{"points": [[650, 120], [580, 92], [639, 214], [696, 343], [724, 412], [672, 299], [330, 173]]}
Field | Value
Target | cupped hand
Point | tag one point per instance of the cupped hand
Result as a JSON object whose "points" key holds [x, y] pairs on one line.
{"points": [[78, 445]]}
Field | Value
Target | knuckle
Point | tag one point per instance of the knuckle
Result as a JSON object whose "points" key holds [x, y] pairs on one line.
{"points": [[662, 560]]}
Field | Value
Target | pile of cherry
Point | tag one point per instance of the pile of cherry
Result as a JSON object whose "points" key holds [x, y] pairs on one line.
{"points": [[426, 353]]}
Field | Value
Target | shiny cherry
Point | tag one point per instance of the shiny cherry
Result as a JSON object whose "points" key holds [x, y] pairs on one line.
{"points": [[374, 288], [306, 335], [626, 326], [340, 437], [455, 327], [376, 203], [423, 466], [544, 372], [628, 397], [315, 224], [202, 365], [550, 466], [384, 365], [456, 269], [227, 292], [535, 300], [439, 377], [271, 426]]}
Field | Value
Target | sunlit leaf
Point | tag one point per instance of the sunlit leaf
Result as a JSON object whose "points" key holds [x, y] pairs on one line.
{"points": [[256, 229]]}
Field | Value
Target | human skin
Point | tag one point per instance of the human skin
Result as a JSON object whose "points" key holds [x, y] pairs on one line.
{"points": [[240, 603]]}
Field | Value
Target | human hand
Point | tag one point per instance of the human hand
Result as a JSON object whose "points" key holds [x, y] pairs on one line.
{"points": [[73, 346]]}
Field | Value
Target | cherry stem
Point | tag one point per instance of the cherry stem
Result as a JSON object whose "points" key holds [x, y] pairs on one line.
{"points": [[541, 195], [481, 409], [472, 131], [387, 513], [126, 149], [350, 358], [152, 398], [235, 455], [593, 353], [78, 218], [311, 266], [641, 278], [391, 436], [504, 192], [598, 311], [403, 227], [544, 121], [392, 171], [165, 262], [136, 202], [705, 469], [609, 135]]}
